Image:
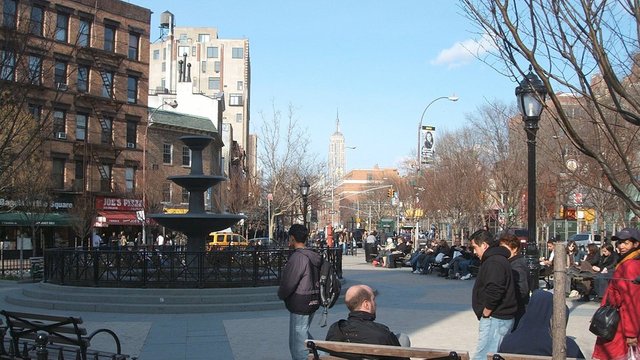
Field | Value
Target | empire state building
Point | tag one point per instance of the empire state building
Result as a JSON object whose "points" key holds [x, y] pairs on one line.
{"points": [[336, 161]]}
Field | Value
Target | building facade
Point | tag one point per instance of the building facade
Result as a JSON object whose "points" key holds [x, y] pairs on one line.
{"points": [[337, 161], [82, 69], [214, 66]]}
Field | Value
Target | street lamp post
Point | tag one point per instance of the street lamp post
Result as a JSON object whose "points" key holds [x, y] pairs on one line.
{"points": [[173, 104], [304, 190], [450, 98], [531, 95]]}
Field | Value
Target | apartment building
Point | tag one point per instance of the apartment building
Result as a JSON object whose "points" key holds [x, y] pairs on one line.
{"points": [[214, 66], [82, 67]]}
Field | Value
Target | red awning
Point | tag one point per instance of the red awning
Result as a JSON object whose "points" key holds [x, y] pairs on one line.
{"points": [[120, 217]]}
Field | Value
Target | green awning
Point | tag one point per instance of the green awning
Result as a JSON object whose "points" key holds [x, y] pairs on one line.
{"points": [[28, 219]]}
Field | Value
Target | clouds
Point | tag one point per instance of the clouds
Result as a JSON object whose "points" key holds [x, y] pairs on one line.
{"points": [[464, 52]]}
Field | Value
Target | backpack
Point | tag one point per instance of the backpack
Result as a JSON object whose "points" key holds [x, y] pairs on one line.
{"points": [[330, 287]]}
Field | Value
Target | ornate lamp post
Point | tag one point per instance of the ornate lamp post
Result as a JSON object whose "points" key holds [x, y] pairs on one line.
{"points": [[304, 190], [531, 95]]}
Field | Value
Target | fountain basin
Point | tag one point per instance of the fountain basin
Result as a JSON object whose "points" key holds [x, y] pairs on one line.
{"points": [[196, 182], [203, 223]]}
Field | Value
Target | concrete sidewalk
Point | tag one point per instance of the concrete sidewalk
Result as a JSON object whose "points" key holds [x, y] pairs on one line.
{"points": [[433, 311]]}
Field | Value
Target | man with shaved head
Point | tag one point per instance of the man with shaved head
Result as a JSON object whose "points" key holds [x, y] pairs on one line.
{"points": [[361, 327]]}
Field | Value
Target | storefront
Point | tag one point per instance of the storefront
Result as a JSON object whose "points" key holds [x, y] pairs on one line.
{"points": [[117, 216]]}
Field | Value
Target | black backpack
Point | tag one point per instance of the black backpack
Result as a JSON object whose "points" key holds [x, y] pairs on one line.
{"points": [[330, 287]]}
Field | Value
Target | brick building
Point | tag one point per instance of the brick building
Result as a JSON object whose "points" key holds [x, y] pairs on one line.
{"points": [[83, 68]]}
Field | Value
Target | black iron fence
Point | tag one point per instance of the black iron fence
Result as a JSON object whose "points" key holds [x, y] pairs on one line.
{"points": [[170, 268]]}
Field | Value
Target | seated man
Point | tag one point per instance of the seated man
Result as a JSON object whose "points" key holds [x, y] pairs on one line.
{"points": [[360, 327]]}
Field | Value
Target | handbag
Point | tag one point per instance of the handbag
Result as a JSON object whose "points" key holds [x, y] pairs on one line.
{"points": [[604, 322]]}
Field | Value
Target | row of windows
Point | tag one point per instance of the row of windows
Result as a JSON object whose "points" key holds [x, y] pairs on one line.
{"points": [[212, 52], [167, 155], [167, 192], [60, 75], [36, 26], [59, 170], [61, 124]]}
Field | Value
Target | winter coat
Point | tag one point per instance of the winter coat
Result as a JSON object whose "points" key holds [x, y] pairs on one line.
{"points": [[533, 334], [299, 285], [520, 272], [494, 288], [625, 294], [361, 328]]}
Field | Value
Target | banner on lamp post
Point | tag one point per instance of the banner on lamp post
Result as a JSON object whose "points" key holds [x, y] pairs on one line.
{"points": [[427, 144]]}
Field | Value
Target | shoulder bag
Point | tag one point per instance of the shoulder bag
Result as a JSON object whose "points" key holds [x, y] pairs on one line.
{"points": [[604, 322]]}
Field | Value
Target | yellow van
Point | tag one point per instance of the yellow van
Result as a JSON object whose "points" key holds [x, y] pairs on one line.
{"points": [[223, 240]]}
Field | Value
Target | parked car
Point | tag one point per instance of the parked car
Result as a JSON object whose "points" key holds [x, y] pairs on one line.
{"points": [[586, 239], [221, 240], [264, 242]]}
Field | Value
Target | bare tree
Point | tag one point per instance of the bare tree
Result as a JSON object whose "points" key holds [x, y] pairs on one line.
{"points": [[285, 160], [580, 48]]}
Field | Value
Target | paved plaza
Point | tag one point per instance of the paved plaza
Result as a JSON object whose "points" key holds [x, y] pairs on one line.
{"points": [[433, 311]]}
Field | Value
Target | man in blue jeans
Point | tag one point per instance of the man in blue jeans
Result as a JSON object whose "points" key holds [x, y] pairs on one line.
{"points": [[494, 296], [299, 289]]}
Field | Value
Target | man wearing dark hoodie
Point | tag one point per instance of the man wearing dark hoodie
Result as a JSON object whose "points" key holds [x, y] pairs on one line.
{"points": [[494, 296], [533, 334], [361, 327], [299, 289]]}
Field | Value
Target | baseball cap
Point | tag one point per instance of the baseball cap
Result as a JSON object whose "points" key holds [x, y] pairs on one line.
{"points": [[627, 233]]}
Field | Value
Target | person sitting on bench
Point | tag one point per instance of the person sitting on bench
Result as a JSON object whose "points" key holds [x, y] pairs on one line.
{"points": [[361, 327]]}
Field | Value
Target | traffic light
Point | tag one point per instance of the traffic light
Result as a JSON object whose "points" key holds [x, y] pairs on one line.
{"points": [[390, 193]]}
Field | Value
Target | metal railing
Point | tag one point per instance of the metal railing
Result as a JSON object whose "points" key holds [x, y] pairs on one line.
{"points": [[170, 268]]}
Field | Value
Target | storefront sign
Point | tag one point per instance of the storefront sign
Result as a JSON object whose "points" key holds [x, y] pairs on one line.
{"points": [[107, 203]]}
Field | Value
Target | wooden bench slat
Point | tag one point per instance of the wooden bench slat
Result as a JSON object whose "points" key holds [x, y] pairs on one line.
{"points": [[383, 350], [507, 356], [77, 320], [52, 327]]}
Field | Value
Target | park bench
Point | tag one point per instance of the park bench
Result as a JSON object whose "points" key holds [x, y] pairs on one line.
{"points": [[51, 337], [349, 349], [505, 356]]}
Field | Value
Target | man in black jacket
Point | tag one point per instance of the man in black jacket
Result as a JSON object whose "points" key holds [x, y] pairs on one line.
{"points": [[361, 327], [494, 295], [299, 290]]}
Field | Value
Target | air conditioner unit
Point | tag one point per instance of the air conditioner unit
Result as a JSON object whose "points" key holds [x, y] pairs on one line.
{"points": [[62, 86], [61, 135], [131, 145]]}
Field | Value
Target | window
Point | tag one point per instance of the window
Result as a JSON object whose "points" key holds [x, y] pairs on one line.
{"points": [[130, 179], [81, 126], [239, 117], [134, 43], [36, 20], [186, 156], [83, 78], [9, 13], [216, 66], [185, 196], [214, 83], [107, 83], [167, 150], [84, 33], [106, 135], [183, 50], [156, 54], [235, 99], [35, 70], [183, 38], [35, 111], [110, 38], [203, 38], [132, 89], [57, 173], [237, 53], [164, 54], [194, 51], [240, 85], [212, 52], [79, 170], [166, 192], [8, 65], [62, 27], [60, 72], [105, 177], [59, 119], [132, 132], [203, 66]]}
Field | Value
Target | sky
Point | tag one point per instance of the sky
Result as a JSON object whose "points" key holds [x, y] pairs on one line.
{"points": [[375, 64]]}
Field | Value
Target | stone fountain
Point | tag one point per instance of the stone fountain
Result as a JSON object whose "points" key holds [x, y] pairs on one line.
{"points": [[196, 224]]}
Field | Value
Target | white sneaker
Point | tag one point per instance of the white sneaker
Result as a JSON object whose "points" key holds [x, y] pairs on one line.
{"points": [[416, 272], [466, 277], [445, 266], [574, 294]]}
